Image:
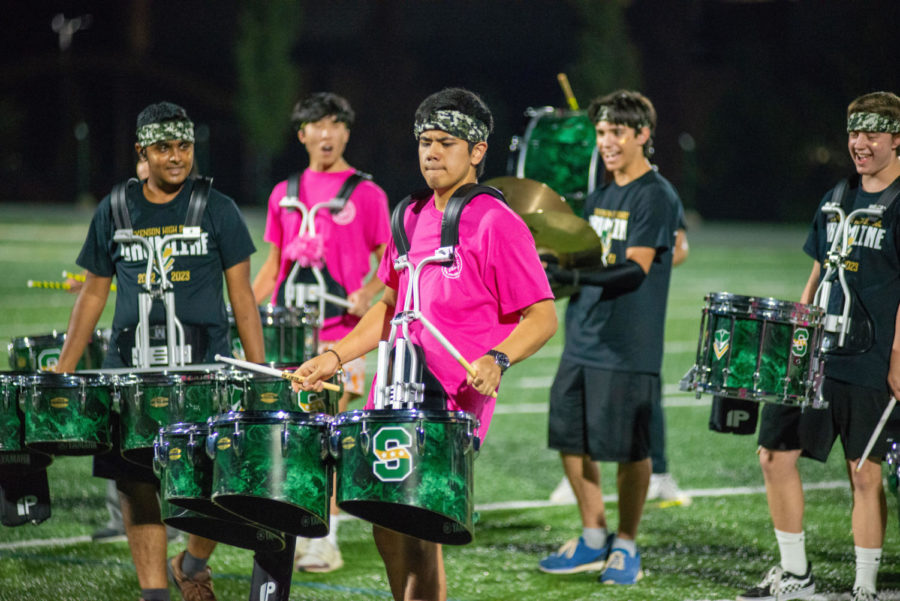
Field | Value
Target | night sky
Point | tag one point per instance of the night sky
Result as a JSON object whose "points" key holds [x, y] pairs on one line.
{"points": [[751, 96]]}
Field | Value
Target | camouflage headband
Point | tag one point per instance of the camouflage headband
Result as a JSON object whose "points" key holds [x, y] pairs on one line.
{"points": [[454, 123], [167, 130], [872, 122], [605, 114]]}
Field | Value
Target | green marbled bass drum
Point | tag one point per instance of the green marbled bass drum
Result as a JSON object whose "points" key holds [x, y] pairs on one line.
{"points": [[271, 468], [185, 473], [760, 349], [15, 457], [150, 401], [66, 414], [408, 470]]}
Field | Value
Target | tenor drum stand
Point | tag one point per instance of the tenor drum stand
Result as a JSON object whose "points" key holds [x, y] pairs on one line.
{"points": [[176, 353], [836, 262]]}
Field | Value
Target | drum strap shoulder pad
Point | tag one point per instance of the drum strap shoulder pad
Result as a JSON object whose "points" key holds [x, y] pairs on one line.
{"points": [[450, 220], [119, 203], [890, 194], [293, 186], [199, 196], [343, 195]]}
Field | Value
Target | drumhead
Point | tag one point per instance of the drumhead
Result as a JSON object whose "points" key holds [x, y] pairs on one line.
{"points": [[54, 380], [762, 308], [269, 417], [402, 415]]}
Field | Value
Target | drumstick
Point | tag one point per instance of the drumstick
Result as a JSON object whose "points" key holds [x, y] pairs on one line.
{"points": [[273, 372], [878, 428], [450, 349], [80, 277], [567, 90]]}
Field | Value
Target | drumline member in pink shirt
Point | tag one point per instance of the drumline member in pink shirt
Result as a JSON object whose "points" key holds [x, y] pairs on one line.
{"points": [[493, 302], [345, 242]]}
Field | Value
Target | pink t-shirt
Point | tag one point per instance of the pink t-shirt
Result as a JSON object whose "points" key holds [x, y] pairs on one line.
{"points": [[350, 236], [476, 302]]}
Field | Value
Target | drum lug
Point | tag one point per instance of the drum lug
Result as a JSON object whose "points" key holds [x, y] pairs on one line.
{"points": [[211, 444], [236, 439], [335, 443], [192, 447], [160, 455], [365, 441], [420, 437], [285, 438]]}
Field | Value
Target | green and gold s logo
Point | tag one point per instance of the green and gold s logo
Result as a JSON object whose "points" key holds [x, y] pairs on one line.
{"points": [[391, 446], [800, 343]]}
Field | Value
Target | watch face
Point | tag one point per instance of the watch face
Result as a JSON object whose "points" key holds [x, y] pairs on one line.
{"points": [[500, 359]]}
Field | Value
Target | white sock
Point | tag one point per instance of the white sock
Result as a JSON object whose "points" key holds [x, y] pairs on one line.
{"points": [[594, 538], [332, 529], [793, 551], [626, 544], [867, 561]]}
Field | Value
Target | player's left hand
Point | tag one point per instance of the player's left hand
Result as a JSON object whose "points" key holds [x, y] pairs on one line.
{"points": [[361, 301], [487, 375]]}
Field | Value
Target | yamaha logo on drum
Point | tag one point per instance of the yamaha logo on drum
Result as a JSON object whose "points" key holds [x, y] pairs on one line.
{"points": [[800, 342], [348, 442], [268, 397], [59, 402], [224, 443], [175, 454], [159, 401]]}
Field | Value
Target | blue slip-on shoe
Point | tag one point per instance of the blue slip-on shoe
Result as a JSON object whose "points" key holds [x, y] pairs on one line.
{"points": [[575, 556], [622, 567]]}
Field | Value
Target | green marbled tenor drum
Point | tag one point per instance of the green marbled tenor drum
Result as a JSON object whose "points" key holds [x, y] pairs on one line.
{"points": [[15, 457], [289, 335], [254, 391], [41, 353], [151, 401], [185, 472], [270, 468], [559, 149], [66, 414], [760, 349], [408, 470]]}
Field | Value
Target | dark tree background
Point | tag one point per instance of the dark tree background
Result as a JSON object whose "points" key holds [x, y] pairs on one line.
{"points": [[751, 95]]}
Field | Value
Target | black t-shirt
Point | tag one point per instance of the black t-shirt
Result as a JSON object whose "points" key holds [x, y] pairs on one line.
{"points": [[626, 333], [195, 268], [873, 274]]}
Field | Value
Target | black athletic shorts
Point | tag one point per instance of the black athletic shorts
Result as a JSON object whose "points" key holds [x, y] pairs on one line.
{"points": [[602, 413], [852, 414], [112, 466]]}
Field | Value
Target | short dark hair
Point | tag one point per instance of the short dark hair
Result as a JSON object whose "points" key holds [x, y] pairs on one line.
{"points": [[626, 107], [462, 100], [319, 105], [885, 104], [161, 112]]}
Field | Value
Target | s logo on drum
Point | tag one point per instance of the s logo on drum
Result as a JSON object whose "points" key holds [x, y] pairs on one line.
{"points": [[800, 342], [721, 343], [391, 446]]}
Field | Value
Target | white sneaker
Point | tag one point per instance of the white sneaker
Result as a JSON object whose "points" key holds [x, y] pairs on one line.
{"points": [[563, 493], [317, 555], [664, 488]]}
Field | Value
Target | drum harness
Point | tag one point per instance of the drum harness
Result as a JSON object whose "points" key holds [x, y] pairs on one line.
{"points": [[176, 352], [297, 294], [838, 255], [406, 389]]}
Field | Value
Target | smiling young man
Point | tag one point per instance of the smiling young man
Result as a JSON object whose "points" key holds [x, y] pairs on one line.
{"points": [[351, 237], [160, 203], [860, 377], [494, 303], [608, 378]]}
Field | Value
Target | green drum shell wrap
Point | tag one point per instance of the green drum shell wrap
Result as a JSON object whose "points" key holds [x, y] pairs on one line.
{"points": [[41, 353], [254, 391], [232, 531], [15, 458], [154, 400], [270, 468], [66, 414], [560, 150], [289, 335], [426, 492], [761, 349], [183, 467]]}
